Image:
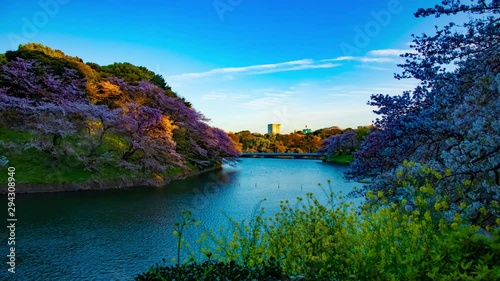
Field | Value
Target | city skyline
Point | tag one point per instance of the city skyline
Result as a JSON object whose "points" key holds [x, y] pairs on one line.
{"points": [[240, 63]]}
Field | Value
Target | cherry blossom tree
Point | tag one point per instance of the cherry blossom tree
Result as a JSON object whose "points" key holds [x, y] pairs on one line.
{"points": [[193, 137], [149, 137], [450, 122], [52, 105], [347, 142], [37, 100]]}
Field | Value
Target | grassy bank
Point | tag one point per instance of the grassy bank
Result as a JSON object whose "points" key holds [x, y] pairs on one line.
{"points": [[344, 159], [36, 166], [37, 171]]}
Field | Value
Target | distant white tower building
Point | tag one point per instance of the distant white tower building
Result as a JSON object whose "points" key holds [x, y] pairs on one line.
{"points": [[274, 129]]}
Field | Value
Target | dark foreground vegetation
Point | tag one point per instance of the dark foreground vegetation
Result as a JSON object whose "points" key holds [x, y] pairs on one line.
{"points": [[215, 270]]}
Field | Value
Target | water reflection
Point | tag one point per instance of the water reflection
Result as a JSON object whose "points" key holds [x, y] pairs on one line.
{"points": [[112, 235]]}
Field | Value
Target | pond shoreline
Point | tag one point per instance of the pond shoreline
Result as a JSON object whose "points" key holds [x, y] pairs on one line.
{"points": [[97, 185]]}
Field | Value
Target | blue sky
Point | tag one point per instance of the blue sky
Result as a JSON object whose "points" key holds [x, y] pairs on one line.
{"points": [[242, 63]]}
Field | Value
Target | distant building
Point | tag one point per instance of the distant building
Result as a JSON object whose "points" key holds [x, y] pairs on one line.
{"points": [[304, 131], [274, 129]]}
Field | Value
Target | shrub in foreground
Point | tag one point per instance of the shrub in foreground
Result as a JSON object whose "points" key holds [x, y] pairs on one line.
{"points": [[332, 240], [214, 270]]}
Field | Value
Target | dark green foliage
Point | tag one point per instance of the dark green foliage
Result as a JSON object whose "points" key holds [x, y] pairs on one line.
{"points": [[160, 82], [133, 74], [3, 59], [57, 64], [214, 270], [188, 104], [465, 254], [327, 132], [55, 59], [127, 72], [293, 142], [94, 66]]}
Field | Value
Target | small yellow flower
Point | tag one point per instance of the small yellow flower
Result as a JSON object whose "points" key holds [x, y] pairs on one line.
{"points": [[380, 194], [420, 201], [438, 206], [370, 195], [399, 174], [427, 216]]}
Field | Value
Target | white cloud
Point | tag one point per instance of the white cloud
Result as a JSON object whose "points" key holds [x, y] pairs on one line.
{"points": [[378, 60], [263, 102], [224, 96], [270, 99], [374, 67], [390, 52], [362, 59], [213, 96], [284, 95], [396, 88], [343, 58], [374, 56], [299, 67], [258, 69]]}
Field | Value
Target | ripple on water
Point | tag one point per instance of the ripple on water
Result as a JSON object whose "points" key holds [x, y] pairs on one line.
{"points": [[116, 234]]}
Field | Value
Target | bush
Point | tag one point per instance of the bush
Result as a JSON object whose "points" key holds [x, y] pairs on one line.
{"points": [[214, 270], [380, 240]]}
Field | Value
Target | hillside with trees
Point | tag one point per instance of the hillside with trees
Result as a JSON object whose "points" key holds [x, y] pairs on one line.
{"points": [[341, 148], [294, 142], [63, 120], [297, 142]]}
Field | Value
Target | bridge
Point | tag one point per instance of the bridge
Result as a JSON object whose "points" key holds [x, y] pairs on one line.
{"points": [[282, 155]]}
